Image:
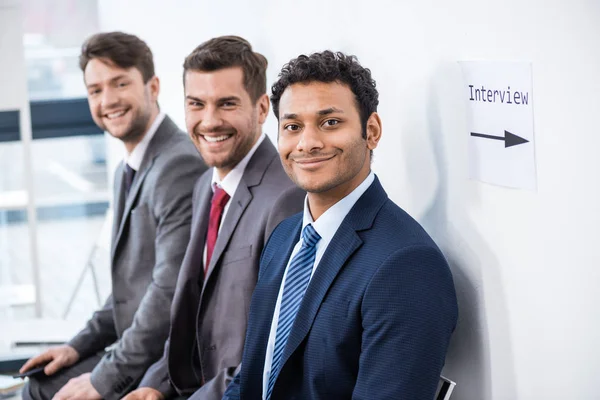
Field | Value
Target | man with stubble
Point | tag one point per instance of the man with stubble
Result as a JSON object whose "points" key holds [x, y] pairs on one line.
{"points": [[151, 229], [237, 204]]}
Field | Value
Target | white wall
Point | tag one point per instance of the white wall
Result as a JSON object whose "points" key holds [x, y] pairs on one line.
{"points": [[13, 83], [525, 263]]}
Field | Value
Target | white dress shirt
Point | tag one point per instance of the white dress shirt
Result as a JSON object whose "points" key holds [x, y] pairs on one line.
{"points": [[326, 226], [231, 182], [135, 158]]}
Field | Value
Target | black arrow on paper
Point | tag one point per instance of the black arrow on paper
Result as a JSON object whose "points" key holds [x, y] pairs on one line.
{"points": [[510, 139]]}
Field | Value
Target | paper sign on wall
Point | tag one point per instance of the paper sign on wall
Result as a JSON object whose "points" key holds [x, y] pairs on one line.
{"points": [[500, 122]]}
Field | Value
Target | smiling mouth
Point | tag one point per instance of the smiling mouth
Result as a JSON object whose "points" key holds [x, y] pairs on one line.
{"points": [[115, 114], [217, 139], [313, 161]]}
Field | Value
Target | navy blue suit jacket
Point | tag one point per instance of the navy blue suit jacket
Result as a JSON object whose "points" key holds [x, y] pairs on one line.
{"points": [[376, 318]]}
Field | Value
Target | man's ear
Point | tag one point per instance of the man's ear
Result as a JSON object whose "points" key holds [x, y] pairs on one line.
{"points": [[373, 131], [263, 108], [154, 86]]}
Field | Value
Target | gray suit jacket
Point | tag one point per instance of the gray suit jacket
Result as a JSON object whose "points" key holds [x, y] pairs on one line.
{"points": [[209, 315], [151, 230]]}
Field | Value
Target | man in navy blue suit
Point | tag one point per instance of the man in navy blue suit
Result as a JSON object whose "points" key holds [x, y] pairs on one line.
{"points": [[354, 299]]}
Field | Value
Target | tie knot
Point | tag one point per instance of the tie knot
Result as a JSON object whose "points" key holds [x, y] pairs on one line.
{"points": [[129, 175], [310, 237], [220, 196], [129, 172]]}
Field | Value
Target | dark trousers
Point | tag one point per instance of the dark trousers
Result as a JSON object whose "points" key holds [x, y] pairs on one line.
{"points": [[43, 387]]}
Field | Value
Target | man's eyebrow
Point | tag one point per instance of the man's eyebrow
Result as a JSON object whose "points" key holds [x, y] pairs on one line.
{"points": [[116, 78], [189, 97], [325, 111], [290, 116], [329, 110], [229, 98]]}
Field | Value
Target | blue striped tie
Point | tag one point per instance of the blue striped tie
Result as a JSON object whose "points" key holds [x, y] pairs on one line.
{"points": [[296, 282]]}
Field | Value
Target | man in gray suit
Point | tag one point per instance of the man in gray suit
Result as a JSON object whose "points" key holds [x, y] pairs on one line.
{"points": [[151, 229], [236, 206]]}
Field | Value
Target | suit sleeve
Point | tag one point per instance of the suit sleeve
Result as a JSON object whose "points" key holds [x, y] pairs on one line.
{"points": [[143, 342], [290, 202], [98, 333], [287, 204], [157, 376], [100, 330], [409, 311]]}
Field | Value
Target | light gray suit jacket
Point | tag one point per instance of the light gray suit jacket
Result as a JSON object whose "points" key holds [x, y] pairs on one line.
{"points": [[151, 230], [209, 315]]}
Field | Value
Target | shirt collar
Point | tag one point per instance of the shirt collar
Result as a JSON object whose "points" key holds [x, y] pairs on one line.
{"points": [[328, 223], [135, 158], [233, 178]]}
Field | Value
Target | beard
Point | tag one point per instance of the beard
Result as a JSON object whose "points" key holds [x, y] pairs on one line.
{"points": [[136, 128], [241, 144], [345, 165]]}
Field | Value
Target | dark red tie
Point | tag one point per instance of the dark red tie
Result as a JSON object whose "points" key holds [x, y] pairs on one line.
{"points": [[220, 198]]}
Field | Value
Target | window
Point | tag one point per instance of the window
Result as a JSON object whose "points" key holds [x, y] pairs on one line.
{"points": [[68, 173]]}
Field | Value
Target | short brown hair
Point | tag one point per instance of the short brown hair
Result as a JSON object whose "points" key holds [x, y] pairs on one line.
{"points": [[122, 49], [230, 51]]}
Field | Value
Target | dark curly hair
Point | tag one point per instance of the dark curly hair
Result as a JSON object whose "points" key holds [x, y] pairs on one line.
{"points": [[330, 67], [231, 51]]}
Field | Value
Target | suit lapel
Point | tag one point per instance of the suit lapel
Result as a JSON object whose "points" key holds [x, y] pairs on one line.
{"points": [[342, 246], [252, 176], [260, 319], [130, 201], [345, 242], [239, 202], [119, 204], [187, 295], [163, 133], [198, 235]]}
